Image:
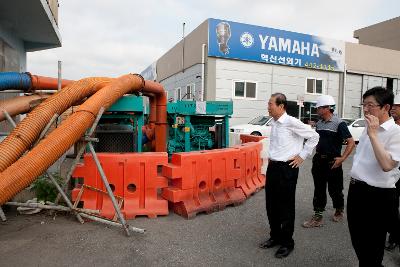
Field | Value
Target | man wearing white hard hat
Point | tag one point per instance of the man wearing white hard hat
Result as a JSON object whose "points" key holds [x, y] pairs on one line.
{"points": [[327, 161], [394, 232]]}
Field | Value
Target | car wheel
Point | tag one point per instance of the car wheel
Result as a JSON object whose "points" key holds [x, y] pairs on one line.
{"points": [[256, 133]]}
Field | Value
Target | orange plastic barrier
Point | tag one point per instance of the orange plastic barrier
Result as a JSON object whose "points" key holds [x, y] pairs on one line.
{"points": [[132, 176], [251, 180], [202, 181], [246, 138]]}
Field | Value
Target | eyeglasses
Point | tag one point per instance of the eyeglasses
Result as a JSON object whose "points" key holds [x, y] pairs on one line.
{"points": [[370, 105]]}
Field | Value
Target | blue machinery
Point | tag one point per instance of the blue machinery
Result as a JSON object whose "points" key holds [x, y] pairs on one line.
{"points": [[192, 126]]}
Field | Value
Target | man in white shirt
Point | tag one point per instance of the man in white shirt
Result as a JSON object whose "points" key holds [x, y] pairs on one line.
{"points": [[372, 194], [394, 231], [287, 151]]}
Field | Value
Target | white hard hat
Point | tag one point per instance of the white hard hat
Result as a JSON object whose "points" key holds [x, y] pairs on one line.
{"points": [[325, 100], [396, 100]]}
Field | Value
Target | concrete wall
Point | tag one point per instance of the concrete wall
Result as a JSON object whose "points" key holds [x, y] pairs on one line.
{"points": [[372, 60], [171, 62], [385, 34], [12, 52], [12, 58]]}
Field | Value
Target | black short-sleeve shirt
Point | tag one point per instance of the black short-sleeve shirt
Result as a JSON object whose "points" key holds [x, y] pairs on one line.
{"points": [[331, 136]]}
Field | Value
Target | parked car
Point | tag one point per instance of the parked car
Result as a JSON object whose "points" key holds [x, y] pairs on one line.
{"points": [[348, 121], [260, 126], [356, 127]]}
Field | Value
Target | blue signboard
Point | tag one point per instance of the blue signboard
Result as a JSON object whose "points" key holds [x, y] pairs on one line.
{"points": [[234, 40]]}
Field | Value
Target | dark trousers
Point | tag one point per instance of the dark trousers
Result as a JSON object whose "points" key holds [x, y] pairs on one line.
{"points": [[369, 211], [280, 194], [323, 175], [394, 231]]}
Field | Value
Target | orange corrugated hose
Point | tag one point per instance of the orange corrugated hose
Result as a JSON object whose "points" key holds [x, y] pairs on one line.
{"points": [[161, 121], [23, 172], [20, 104], [29, 129], [47, 83], [149, 128]]}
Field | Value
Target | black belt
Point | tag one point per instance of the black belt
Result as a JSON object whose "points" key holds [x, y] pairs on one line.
{"points": [[356, 181], [279, 162], [325, 156]]}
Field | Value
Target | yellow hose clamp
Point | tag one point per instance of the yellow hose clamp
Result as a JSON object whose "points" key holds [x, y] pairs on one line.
{"points": [[187, 129]]}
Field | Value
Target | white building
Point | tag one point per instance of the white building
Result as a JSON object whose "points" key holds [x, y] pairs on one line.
{"points": [[224, 60]]}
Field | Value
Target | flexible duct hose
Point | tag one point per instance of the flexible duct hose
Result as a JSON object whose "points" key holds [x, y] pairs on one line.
{"points": [[47, 83], [23, 172], [15, 80], [161, 120], [20, 104], [29, 129], [26, 81]]}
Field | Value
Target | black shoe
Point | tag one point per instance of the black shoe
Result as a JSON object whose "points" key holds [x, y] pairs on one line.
{"points": [[391, 246], [269, 243], [283, 252]]}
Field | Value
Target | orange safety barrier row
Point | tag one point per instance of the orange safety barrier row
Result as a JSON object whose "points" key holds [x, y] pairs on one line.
{"points": [[250, 162], [133, 177], [202, 181], [246, 138]]}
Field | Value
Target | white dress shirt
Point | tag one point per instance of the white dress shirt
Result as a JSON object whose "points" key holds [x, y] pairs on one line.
{"points": [[287, 139], [365, 165]]}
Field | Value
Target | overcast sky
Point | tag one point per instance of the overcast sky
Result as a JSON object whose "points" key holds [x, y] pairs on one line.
{"points": [[112, 38]]}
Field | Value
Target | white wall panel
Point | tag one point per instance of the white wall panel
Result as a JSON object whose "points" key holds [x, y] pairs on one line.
{"points": [[270, 79], [353, 95]]}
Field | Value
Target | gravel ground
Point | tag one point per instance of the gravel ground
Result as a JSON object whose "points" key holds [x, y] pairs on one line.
{"points": [[226, 238]]}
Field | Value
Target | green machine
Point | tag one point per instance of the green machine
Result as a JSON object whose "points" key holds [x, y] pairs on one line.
{"points": [[193, 125], [198, 125], [120, 127]]}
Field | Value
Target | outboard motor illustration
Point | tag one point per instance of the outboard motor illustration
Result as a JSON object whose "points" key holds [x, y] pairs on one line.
{"points": [[223, 31]]}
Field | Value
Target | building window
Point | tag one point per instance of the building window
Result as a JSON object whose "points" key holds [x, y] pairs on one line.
{"points": [[178, 94], [188, 92], [244, 89], [314, 86]]}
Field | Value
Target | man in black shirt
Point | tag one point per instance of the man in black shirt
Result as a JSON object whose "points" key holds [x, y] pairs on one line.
{"points": [[327, 161]]}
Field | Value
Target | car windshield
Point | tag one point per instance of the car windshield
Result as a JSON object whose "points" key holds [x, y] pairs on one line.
{"points": [[347, 121], [260, 120]]}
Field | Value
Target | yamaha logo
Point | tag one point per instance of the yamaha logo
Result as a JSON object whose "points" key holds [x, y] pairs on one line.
{"points": [[247, 40]]}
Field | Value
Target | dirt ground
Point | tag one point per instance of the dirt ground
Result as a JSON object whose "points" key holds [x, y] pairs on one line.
{"points": [[226, 238]]}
